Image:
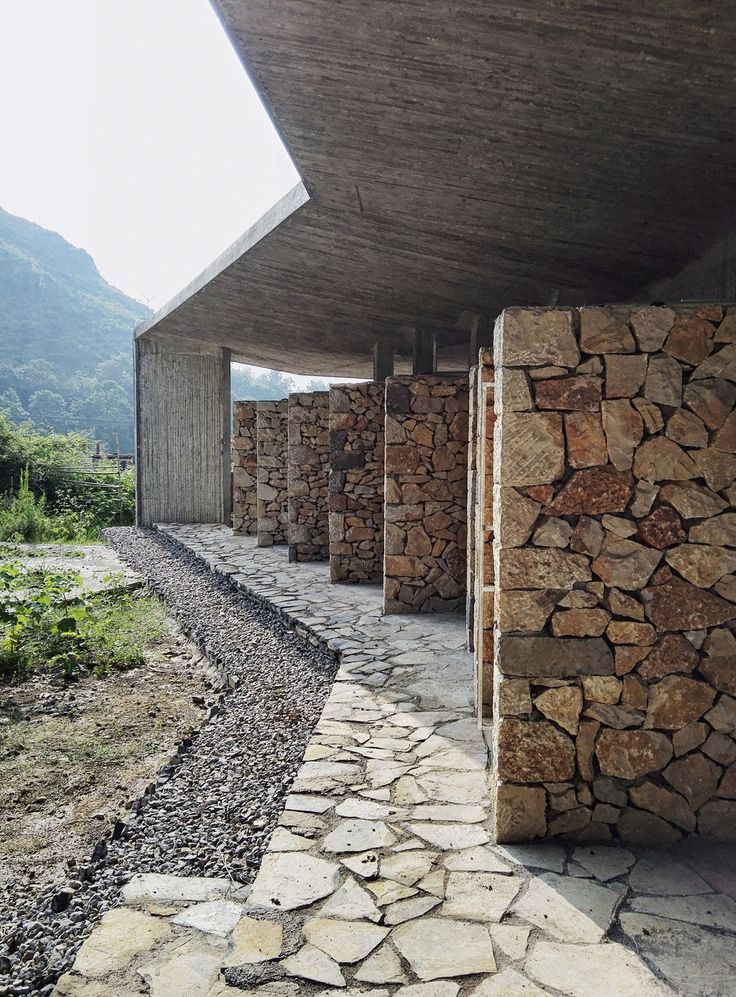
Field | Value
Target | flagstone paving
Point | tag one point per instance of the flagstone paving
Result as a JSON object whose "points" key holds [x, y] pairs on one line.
{"points": [[382, 877]]}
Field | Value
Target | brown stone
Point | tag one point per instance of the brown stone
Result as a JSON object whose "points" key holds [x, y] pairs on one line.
{"points": [[662, 529], [642, 828], [516, 515], [726, 331], [580, 623], [718, 468], [567, 823], [672, 654], [723, 715], [417, 541], [726, 587], [678, 605], [689, 738], [691, 340], [725, 437], [539, 568], [659, 459], [579, 599], [532, 450], [609, 791], [651, 325], [629, 754], [635, 693], [627, 658], [623, 428], [695, 777], [540, 493], [687, 429], [614, 716], [645, 492], [720, 530], [536, 337], [534, 752], [717, 820], [625, 374], [591, 492], [514, 699], [727, 785], [692, 501], [603, 331], [700, 564], [520, 813], [563, 706], [528, 610], [602, 688], [582, 394], [650, 413], [664, 381], [720, 364], [625, 564], [664, 803], [619, 526], [554, 532], [585, 748], [677, 701], [586, 443], [719, 667], [555, 657], [622, 604], [630, 632], [587, 536], [712, 400], [720, 748], [512, 391]]}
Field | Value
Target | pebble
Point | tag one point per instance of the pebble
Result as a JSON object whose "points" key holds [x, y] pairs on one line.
{"points": [[210, 813]]}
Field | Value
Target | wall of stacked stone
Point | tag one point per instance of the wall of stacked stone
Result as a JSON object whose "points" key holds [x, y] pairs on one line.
{"points": [[615, 684], [272, 495], [483, 575], [356, 482], [308, 475], [245, 468], [426, 493]]}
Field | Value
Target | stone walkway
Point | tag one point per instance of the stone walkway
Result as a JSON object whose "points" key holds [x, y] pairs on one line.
{"points": [[381, 878]]}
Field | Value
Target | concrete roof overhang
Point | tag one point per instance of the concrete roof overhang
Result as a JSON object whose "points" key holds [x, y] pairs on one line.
{"points": [[468, 156]]}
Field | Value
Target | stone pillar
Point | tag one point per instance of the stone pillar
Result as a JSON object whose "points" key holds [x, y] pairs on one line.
{"points": [[356, 482], [272, 495], [308, 474], [182, 392], [426, 493], [245, 468], [483, 574], [616, 573]]}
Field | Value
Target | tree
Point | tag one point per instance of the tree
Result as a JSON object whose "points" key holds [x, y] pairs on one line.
{"points": [[10, 403], [47, 409]]}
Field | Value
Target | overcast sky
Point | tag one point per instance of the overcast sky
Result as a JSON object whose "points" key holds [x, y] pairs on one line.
{"points": [[130, 127]]}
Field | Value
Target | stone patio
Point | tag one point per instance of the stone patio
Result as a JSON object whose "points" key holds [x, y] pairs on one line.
{"points": [[382, 878]]}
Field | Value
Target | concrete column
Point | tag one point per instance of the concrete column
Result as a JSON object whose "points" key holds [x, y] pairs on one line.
{"points": [[182, 394], [383, 361], [424, 360]]}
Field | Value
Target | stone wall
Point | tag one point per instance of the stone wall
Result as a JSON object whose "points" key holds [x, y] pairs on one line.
{"points": [[483, 574], [245, 468], [356, 482], [615, 658], [309, 451], [272, 444], [426, 493]]}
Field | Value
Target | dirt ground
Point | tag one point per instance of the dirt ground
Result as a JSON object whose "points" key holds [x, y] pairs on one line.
{"points": [[72, 756]]}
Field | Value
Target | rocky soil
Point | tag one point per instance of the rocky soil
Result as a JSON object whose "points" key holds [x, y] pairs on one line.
{"points": [[215, 804]]}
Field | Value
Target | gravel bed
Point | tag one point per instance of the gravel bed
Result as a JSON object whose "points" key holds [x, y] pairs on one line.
{"points": [[212, 811]]}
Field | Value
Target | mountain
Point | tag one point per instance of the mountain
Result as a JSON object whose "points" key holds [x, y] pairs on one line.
{"points": [[65, 337]]}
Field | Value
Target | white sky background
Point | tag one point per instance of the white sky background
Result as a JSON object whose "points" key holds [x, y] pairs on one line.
{"points": [[131, 128]]}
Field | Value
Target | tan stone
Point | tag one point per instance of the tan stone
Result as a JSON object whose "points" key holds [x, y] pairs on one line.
{"points": [[691, 340], [720, 364], [720, 530], [687, 429], [628, 658], [524, 610], [512, 391], [540, 568], [630, 632], [622, 604], [702, 565], [587, 537], [520, 813], [625, 374], [664, 381], [514, 699], [692, 501], [689, 738], [651, 325], [664, 803], [586, 442], [642, 828], [678, 605], [585, 748], [563, 706], [625, 564], [602, 688], [580, 623], [650, 413], [623, 428], [591, 492], [534, 752], [579, 599], [532, 450], [122, 935], [723, 715], [554, 532], [662, 529], [677, 701], [695, 777], [515, 516], [635, 694], [672, 654], [554, 657], [629, 754], [619, 717], [718, 468], [535, 337], [712, 400], [659, 459], [603, 331], [619, 526]]}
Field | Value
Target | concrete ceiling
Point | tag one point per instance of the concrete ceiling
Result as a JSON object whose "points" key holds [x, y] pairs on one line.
{"points": [[469, 156]]}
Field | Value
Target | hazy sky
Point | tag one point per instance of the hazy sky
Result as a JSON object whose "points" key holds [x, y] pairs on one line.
{"points": [[130, 127]]}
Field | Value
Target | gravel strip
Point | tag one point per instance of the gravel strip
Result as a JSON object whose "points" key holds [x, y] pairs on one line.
{"points": [[212, 811]]}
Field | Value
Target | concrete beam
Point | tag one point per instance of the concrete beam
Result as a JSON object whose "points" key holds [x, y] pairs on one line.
{"points": [[182, 395]]}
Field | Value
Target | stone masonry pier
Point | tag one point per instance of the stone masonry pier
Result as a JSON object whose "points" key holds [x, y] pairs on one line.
{"points": [[308, 475], [245, 468], [272, 489]]}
